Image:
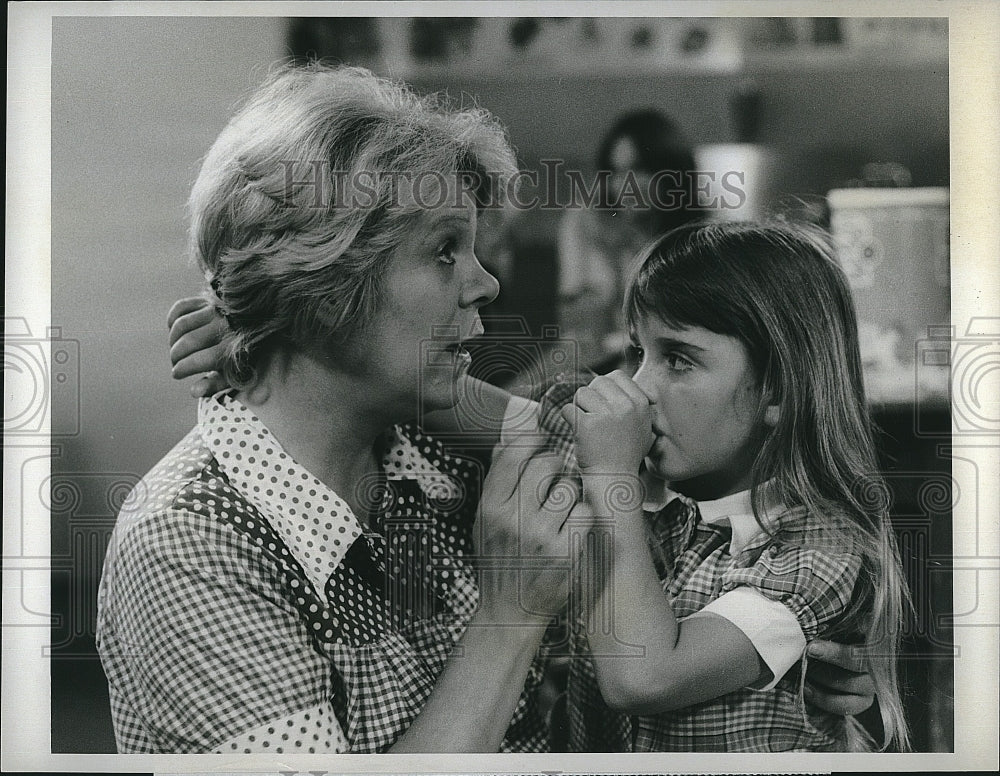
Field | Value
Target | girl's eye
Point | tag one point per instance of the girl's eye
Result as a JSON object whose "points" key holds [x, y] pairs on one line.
{"points": [[678, 363], [633, 356], [446, 253]]}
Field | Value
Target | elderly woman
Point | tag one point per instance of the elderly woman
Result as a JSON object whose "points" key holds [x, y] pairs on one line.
{"points": [[296, 574]]}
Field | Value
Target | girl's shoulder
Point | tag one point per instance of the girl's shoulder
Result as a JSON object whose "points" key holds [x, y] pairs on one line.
{"points": [[830, 528]]}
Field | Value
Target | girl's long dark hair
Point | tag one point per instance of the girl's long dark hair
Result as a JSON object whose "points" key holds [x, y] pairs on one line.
{"points": [[778, 289]]}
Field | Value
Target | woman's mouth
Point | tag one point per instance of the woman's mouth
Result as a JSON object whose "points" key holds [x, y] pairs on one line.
{"points": [[460, 354]]}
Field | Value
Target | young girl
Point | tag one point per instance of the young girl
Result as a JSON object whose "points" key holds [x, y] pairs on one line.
{"points": [[736, 472]]}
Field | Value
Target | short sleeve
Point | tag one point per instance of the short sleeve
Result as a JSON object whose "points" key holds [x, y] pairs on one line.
{"points": [[769, 625], [212, 657], [816, 584]]}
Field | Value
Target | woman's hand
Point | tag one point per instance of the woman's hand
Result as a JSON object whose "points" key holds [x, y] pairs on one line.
{"points": [[196, 333], [837, 678], [612, 421], [526, 553]]}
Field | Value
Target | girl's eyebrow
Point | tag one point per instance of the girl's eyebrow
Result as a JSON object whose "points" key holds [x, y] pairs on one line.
{"points": [[671, 342]]}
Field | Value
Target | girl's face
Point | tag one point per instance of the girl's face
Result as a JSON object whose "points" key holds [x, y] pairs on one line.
{"points": [[433, 290], [705, 413]]}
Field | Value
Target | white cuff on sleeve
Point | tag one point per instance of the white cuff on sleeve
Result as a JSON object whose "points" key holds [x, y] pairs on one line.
{"points": [[770, 625]]}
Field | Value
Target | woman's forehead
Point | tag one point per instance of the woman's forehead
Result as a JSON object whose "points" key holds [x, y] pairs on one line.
{"points": [[434, 191], [430, 218]]}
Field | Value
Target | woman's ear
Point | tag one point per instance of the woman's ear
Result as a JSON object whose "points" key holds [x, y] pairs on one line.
{"points": [[772, 414]]}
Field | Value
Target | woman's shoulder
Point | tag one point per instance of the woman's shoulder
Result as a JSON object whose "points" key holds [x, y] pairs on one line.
{"points": [[161, 486], [180, 500]]}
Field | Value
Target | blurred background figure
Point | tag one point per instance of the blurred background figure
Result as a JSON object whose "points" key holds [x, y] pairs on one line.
{"points": [[648, 162]]}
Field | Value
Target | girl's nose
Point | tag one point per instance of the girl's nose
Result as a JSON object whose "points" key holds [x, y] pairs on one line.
{"points": [[642, 379]]}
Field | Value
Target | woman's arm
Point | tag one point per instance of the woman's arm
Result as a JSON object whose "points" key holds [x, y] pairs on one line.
{"points": [[837, 678], [475, 420], [525, 563]]}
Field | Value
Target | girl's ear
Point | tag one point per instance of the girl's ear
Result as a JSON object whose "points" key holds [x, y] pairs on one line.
{"points": [[772, 414]]}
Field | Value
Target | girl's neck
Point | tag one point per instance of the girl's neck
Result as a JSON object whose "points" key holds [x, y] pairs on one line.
{"points": [[712, 488], [327, 421]]}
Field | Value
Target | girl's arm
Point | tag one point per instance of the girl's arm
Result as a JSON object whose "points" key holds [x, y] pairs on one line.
{"points": [[195, 340], [680, 664]]}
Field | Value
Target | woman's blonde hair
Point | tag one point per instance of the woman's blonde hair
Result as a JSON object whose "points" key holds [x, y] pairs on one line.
{"points": [[303, 197], [777, 288]]}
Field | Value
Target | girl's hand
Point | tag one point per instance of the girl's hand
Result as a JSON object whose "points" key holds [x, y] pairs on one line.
{"points": [[612, 421], [196, 333], [837, 678]]}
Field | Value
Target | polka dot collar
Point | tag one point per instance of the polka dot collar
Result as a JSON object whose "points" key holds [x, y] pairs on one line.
{"points": [[307, 514], [304, 512], [404, 461]]}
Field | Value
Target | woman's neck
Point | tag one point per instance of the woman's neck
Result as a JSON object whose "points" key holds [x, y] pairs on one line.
{"points": [[325, 420]]}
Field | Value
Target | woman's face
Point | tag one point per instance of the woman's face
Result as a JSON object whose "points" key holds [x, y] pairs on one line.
{"points": [[433, 290]]}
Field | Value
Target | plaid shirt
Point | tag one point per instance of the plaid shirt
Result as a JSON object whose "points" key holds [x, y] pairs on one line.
{"points": [[698, 564], [244, 608]]}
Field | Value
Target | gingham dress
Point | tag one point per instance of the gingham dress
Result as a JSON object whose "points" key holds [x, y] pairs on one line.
{"points": [[244, 608], [816, 579]]}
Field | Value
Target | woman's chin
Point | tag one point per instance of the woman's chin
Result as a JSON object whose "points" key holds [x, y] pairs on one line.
{"points": [[440, 388]]}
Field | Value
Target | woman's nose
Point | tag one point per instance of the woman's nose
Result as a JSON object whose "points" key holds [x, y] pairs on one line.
{"points": [[481, 288]]}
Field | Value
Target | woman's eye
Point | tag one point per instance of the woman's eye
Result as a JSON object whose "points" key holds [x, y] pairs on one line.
{"points": [[446, 253]]}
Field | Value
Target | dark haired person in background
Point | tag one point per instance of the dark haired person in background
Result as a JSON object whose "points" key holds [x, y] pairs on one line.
{"points": [[647, 163]]}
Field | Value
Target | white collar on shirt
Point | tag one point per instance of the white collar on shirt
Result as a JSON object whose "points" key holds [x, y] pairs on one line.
{"points": [[734, 510]]}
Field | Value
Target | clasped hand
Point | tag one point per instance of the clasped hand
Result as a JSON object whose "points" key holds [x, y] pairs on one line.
{"points": [[526, 549], [612, 421]]}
